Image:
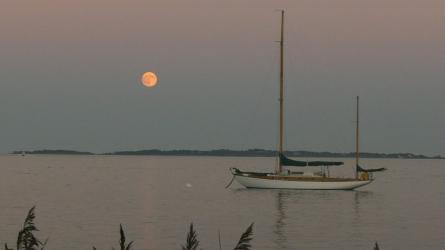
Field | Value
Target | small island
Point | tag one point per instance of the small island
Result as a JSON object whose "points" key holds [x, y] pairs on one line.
{"points": [[52, 152]]}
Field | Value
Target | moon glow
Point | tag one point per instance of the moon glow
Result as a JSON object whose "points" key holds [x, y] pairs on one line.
{"points": [[149, 79]]}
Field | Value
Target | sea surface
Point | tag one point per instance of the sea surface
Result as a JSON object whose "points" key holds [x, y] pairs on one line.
{"points": [[81, 200]]}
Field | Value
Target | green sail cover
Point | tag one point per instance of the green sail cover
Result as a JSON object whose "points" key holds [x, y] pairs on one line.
{"points": [[284, 161], [289, 162], [360, 169]]}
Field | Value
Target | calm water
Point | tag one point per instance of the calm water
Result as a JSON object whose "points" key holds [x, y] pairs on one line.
{"points": [[82, 199]]}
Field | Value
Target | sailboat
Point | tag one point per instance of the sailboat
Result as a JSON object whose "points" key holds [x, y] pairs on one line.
{"points": [[286, 179]]}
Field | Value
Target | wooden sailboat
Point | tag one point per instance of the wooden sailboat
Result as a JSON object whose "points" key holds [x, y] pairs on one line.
{"points": [[281, 179]]}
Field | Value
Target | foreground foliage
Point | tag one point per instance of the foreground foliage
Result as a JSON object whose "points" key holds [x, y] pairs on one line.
{"points": [[26, 240]]}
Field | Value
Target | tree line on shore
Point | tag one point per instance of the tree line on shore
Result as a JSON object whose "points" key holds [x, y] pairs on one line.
{"points": [[230, 152]]}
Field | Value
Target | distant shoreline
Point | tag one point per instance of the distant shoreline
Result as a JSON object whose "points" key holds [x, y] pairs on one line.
{"points": [[233, 153]]}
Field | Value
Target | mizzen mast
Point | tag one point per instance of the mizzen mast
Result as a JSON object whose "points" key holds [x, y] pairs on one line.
{"points": [[357, 142], [280, 148]]}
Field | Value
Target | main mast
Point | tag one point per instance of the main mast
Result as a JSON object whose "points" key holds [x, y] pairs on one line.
{"points": [[357, 148], [280, 149]]}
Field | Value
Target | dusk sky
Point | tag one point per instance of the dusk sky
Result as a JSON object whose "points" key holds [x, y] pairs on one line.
{"points": [[70, 74]]}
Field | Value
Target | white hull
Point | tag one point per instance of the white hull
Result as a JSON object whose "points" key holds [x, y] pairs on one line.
{"points": [[254, 182]]}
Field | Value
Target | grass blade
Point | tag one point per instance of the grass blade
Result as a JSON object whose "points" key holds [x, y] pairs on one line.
{"points": [[26, 239], [244, 241], [192, 242], [376, 246], [122, 240], [219, 240]]}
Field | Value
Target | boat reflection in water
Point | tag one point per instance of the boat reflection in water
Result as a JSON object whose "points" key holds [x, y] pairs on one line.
{"points": [[296, 223]]}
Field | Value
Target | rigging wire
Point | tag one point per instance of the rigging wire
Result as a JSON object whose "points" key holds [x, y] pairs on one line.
{"points": [[294, 48], [267, 67], [256, 108]]}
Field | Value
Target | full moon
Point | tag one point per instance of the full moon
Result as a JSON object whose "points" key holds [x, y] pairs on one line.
{"points": [[149, 79]]}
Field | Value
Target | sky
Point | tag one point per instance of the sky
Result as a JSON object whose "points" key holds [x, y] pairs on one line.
{"points": [[70, 75]]}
